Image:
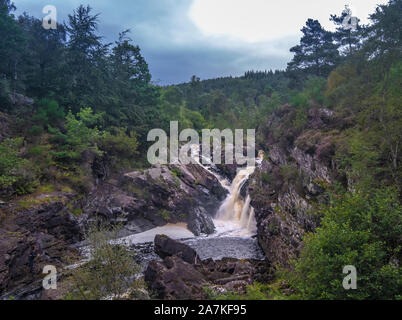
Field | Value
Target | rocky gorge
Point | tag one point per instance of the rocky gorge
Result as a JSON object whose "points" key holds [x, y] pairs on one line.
{"points": [[289, 180], [138, 201]]}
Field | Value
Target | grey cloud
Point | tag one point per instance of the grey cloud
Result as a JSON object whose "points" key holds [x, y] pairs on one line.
{"points": [[171, 44]]}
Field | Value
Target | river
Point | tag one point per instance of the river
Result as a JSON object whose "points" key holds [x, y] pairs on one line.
{"points": [[235, 234]]}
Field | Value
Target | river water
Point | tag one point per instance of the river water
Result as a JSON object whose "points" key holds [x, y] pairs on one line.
{"points": [[234, 223]]}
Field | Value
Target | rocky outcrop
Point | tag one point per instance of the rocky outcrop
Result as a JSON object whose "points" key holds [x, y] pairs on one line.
{"points": [[137, 200], [200, 222], [167, 247], [297, 167], [20, 100], [157, 196], [31, 238], [177, 277], [174, 279]]}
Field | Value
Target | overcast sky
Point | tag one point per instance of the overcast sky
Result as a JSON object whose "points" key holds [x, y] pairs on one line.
{"points": [[208, 38]]}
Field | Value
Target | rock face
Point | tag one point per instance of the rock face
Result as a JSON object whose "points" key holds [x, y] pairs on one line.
{"points": [[167, 247], [199, 222], [297, 167], [174, 279], [180, 276], [138, 200], [20, 100], [157, 196], [31, 239]]}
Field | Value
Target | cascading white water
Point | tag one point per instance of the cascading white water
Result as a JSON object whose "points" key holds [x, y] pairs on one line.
{"points": [[236, 216], [235, 209]]}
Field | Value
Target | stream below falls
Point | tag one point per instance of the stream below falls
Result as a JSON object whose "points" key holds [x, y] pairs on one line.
{"points": [[234, 237]]}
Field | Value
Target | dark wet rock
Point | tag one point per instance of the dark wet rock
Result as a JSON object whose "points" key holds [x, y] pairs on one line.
{"points": [[227, 170], [31, 239], [199, 222], [139, 201], [157, 196], [297, 167], [166, 247], [222, 247], [20, 100], [174, 278]]}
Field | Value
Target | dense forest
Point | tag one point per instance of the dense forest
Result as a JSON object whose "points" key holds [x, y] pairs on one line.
{"points": [[66, 96]]}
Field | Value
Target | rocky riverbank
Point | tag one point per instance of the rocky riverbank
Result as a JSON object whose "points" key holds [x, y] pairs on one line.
{"points": [[181, 274], [298, 165], [41, 229]]}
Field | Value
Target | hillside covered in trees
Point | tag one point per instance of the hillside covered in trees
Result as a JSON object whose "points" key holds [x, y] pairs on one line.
{"points": [[75, 111]]}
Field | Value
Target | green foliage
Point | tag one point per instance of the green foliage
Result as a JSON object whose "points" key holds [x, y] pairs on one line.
{"points": [[49, 113], [358, 229], [266, 177], [9, 160], [15, 176], [12, 47], [317, 54], [300, 119], [255, 291], [289, 173], [370, 153], [312, 94], [176, 172], [244, 102], [4, 91], [110, 271], [118, 146], [164, 214], [81, 134]]}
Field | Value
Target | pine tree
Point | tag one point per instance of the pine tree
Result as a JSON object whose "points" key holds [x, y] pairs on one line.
{"points": [[317, 54], [44, 58], [12, 47], [86, 58]]}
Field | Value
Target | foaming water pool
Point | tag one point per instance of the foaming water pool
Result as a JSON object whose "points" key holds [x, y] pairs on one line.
{"points": [[230, 240], [235, 227], [175, 231]]}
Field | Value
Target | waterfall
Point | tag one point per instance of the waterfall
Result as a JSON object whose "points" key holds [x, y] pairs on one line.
{"points": [[235, 208], [236, 213]]}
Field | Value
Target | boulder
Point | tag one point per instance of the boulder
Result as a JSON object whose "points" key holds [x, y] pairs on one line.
{"points": [[167, 247], [174, 279], [182, 275], [21, 100], [199, 222], [46, 231]]}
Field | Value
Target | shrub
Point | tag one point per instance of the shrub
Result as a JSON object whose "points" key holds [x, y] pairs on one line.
{"points": [[111, 271], [35, 131], [119, 147], [49, 113], [360, 229], [16, 176], [176, 172], [81, 134], [266, 177], [255, 291], [289, 173]]}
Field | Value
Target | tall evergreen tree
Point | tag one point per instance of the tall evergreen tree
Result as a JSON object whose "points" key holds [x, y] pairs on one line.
{"points": [[130, 69], [12, 46], [86, 59], [44, 57], [316, 54], [384, 35]]}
